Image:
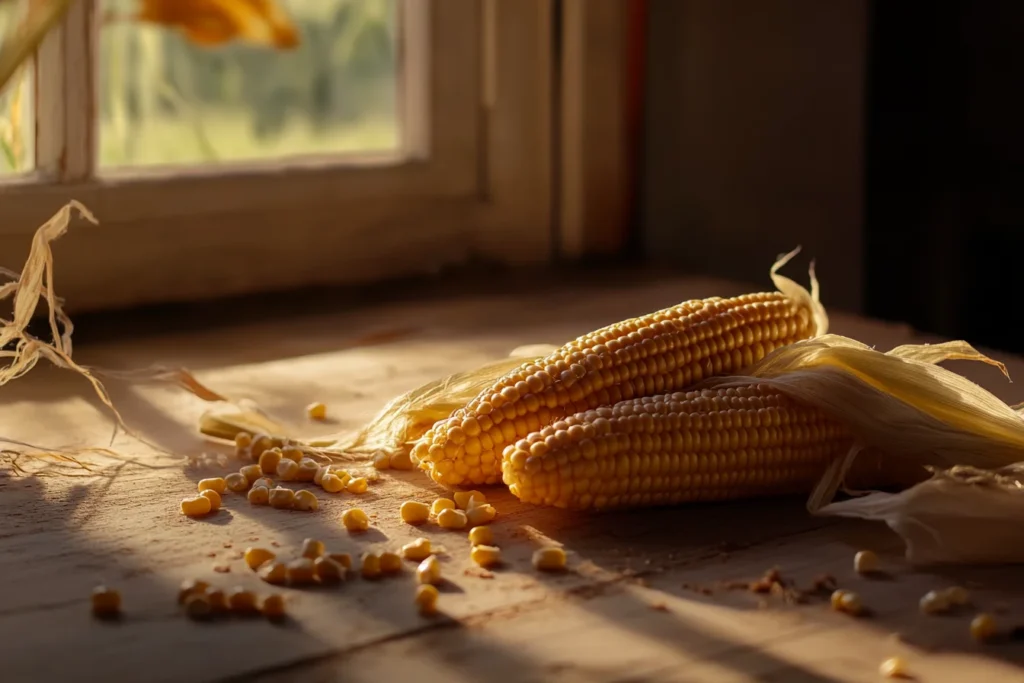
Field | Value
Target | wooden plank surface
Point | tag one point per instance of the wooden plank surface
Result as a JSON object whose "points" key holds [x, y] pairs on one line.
{"points": [[630, 609]]}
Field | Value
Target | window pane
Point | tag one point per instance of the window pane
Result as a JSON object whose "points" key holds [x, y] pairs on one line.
{"points": [[180, 89], [17, 117]]}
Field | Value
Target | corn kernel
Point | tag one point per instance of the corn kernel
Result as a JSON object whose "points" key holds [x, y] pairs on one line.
{"points": [[483, 513], [355, 519], [481, 535], [327, 570], [390, 563], [401, 460], [243, 440], [344, 476], [332, 483], [370, 566], [212, 484], [306, 501], [214, 499], [237, 482], [442, 504], [850, 603], [983, 627], [198, 607], [452, 519], [429, 571], [485, 555], [269, 460], [381, 461], [957, 596], [273, 572], [272, 606], [259, 495], [417, 550], [282, 498], [307, 470], [318, 478], [265, 482], [934, 602], [344, 559], [301, 571], [292, 453], [549, 559], [414, 512], [865, 562], [256, 557], [260, 443], [251, 473], [894, 667], [196, 507], [287, 470], [218, 600], [357, 485], [191, 587], [312, 548], [106, 602], [241, 600], [316, 411], [426, 599], [467, 499], [836, 599]]}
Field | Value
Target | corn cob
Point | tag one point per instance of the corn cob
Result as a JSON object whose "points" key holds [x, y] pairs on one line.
{"points": [[696, 446], [654, 354]]}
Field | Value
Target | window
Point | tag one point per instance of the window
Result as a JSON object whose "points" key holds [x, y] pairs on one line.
{"points": [[423, 141]]}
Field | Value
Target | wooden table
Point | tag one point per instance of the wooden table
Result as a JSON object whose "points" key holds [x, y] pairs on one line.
{"points": [[632, 607]]}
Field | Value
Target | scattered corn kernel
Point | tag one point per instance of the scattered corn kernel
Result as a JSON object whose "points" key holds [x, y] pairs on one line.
{"points": [[106, 602], [332, 483], [452, 519], [355, 519], [198, 607], [273, 572], [292, 453], [957, 596], [344, 476], [237, 482], [282, 498], [426, 599], [214, 499], [307, 470], [357, 485], [318, 478], [212, 484], [370, 566], [381, 461], [442, 504], [269, 460], [218, 600], [486, 555], [934, 602], [414, 512], [243, 440], [865, 562], [850, 603], [480, 514], [251, 473], [894, 667], [256, 557], [549, 559], [312, 548], [273, 606], [390, 563], [287, 470], [417, 550], [306, 501], [191, 587], [344, 559], [481, 535], [465, 499], [266, 482], [301, 571], [327, 570], [259, 495], [316, 411], [401, 460], [836, 599], [196, 507], [429, 571], [983, 627], [241, 600]]}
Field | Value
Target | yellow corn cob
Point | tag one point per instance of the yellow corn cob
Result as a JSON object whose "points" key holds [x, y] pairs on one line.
{"points": [[695, 446], [654, 354]]}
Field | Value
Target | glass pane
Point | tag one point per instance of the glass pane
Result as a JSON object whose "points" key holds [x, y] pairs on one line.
{"points": [[17, 117], [211, 81]]}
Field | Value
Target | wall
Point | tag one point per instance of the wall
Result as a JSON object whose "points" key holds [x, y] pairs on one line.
{"points": [[754, 138]]}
